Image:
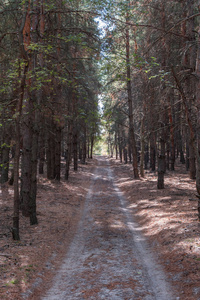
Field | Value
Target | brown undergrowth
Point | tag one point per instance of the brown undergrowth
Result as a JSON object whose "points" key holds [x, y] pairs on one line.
{"points": [[24, 264], [169, 219]]}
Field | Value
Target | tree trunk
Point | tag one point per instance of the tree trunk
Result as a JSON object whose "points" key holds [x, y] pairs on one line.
{"points": [[142, 148], [75, 150], [41, 63], [120, 145], [130, 104], [152, 152], [129, 153], [88, 147], [84, 146], [180, 147], [5, 158], [26, 158], [41, 151], [58, 153], [91, 146], [198, 121], [168, 156], [125, 156], [161, 166], [68, 150], [146, 156], [161, 171], [31, 125], [111, 149], [171, 122], [15, 227], [51, 153], [80, 150], [116, 146], [187, 165], [192, 160], [33, 191]]}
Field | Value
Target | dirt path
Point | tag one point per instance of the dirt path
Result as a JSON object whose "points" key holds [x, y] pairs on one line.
{"points": [[108, 258]]}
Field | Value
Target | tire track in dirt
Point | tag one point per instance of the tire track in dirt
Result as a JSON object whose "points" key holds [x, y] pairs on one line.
{"points": [[108, 258]]}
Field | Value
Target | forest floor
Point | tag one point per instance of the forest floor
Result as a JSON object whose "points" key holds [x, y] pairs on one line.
{"points": [[168, 218]]}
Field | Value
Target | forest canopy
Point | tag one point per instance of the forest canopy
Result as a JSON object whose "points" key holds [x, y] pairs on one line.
{"points": [[58, 58]]}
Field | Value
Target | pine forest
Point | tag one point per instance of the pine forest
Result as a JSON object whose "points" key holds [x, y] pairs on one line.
{"points": [[99, 145]]}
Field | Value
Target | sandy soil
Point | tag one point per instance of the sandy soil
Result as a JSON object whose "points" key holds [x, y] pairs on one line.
{"points": [[169, 220], [25, 264], [167, 217], [108, 258]]}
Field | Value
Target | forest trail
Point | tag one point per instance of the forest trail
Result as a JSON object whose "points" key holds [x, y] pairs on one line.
{"points": [[108, 258]]}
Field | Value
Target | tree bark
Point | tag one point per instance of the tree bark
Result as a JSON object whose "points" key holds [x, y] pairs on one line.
{"points": [[146, 156], [142, 148], [161, 171], [152, 152], [125, 156], [5, 157], [41, 151], [15, 227], [26, 158], [192, 160], [130, 103], [171, 122], [161, 166], [75, 149], [198, 121], [58, 153], [84, 146], [68, 150], [91, 146], [116, 146]]}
